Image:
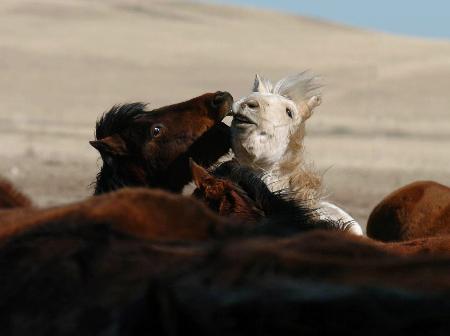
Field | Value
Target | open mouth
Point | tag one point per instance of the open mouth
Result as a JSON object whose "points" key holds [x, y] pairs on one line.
{"points": [[242, 119]]}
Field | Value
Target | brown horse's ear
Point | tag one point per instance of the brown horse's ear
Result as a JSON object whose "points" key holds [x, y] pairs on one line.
{"points": [[113, 145], [199, 174]]}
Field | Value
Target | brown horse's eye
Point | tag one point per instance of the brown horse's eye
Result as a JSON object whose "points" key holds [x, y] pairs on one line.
{"points": [[156, 131], [289, 112]]}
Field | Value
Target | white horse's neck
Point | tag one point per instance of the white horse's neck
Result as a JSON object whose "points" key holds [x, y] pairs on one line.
{"points": [[288, 173]]}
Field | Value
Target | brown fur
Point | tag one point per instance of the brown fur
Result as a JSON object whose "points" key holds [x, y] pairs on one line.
{"points": [[70, 279], [10, 197], [152, 148], [146, 261], [148, 214], [224, 197], [423, 246], [140, 261], [420, 209]]}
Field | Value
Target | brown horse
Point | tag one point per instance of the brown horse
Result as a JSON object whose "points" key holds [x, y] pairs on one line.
{"points": [[10, 197], [86, 272], [139, 212], [152, 148], [417, 210]]}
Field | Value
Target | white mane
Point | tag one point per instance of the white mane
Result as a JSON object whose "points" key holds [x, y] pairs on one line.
{"points": [[298, 88]]}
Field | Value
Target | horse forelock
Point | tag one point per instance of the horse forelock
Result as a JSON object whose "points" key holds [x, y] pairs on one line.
{"points": [[118, 118], [299, 87]]}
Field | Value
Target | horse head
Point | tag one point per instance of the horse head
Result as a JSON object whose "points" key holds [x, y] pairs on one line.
{"points": [[272, 117], [152, 148]]}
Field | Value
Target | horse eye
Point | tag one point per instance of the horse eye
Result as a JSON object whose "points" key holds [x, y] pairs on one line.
{"points": [[253, 104], [156, 130], [289, 112]]}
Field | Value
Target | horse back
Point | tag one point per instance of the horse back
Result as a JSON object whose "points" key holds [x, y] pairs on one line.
{"points": [[417, 210]]}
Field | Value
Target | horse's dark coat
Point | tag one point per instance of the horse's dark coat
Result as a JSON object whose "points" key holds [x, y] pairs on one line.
{"points": [[152, 148], [238, 192], [67, 279]]}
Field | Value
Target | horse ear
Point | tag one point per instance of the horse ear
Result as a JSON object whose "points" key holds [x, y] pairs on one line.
{"points": [[307, 109], [199, 174], [262, 85], [112, 145]]}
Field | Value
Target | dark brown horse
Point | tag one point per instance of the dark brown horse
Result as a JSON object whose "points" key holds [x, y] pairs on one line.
{"points": [[152, 148], [84, 272], [417, 210]]}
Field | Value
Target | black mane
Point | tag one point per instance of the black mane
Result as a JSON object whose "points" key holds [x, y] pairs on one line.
{"points": [[118, 118], [113, 175], [283, 214]]}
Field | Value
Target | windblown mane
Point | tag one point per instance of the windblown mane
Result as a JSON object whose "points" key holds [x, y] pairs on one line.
{"points": [[283, 212], [305, 182], [298, 87]]}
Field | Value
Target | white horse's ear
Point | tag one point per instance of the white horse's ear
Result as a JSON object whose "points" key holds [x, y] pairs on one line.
{"points": [[262, 85], [307, 109]]}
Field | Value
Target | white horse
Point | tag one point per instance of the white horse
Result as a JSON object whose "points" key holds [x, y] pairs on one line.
{"points": [[268, 128]]}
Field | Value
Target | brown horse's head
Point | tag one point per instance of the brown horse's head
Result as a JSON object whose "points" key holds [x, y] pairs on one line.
{"points": [[152, 148]]}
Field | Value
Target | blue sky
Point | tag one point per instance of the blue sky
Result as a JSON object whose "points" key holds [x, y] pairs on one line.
{"points": [[426, 18]]}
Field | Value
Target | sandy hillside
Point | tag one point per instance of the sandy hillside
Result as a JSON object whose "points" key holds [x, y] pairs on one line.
{"points": [[385, 120]]}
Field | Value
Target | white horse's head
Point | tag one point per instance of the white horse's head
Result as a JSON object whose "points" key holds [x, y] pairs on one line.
{"points": [[272, 116]]}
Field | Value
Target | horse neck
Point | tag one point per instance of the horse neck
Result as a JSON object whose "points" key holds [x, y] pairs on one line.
{"points": [[294, 174], [112, 178]]}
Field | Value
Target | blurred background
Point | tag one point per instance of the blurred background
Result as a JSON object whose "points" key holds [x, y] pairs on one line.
{"points": [[384, 121]]}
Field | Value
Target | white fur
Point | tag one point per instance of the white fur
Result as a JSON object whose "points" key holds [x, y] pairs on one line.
{"points": [[266, 142], [329, 210]]}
